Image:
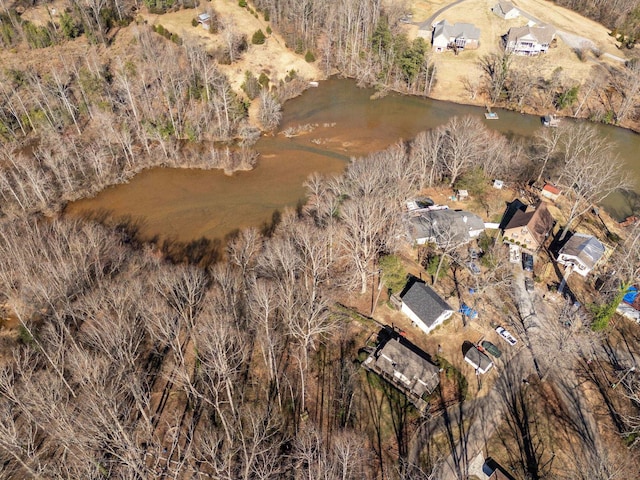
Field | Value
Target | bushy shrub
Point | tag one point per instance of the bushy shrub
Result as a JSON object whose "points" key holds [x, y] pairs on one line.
{"points": [[258, 38], [309, 57], [242, 3]]}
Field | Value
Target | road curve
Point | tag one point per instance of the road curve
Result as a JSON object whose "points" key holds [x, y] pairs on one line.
{"points": [[426, 25]]}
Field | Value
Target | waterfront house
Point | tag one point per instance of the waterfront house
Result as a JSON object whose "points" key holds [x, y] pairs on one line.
{"points": [[443, 227], [454, 37], [581, 252], [529, 40], [527, 226]]}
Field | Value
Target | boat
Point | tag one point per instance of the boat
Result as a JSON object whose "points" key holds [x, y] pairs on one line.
{"points": [[314, 84], [550, 120]]}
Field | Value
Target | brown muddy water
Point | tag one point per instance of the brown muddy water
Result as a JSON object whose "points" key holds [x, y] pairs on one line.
{"points": [[186, 204]]}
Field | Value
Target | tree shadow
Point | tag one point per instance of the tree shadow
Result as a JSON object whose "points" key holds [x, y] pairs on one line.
{"points": [[523, 424]]}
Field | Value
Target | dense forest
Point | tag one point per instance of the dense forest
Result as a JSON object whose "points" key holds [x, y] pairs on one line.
{"points": [[130, 362]]}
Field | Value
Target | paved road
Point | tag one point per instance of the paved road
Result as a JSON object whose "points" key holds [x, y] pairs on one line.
{"points": [[426, 25], [484, 416]]}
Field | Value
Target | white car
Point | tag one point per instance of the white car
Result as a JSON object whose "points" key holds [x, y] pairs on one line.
{"points": [[506, 336]]}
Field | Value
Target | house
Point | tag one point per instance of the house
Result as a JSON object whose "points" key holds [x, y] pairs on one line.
{"points": [[581, 252], [506, 10], [424, 307], [443, 227], [406, 367], [550, 191], [478, 360], [204, 19], [456, 37], [528, 226], [529, 40]]}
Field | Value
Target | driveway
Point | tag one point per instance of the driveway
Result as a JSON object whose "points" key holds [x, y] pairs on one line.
{"points": [[472, 421]]}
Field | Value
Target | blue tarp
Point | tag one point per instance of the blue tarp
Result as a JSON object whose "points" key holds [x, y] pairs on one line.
{"points": [[468, 311], [631, 295]]}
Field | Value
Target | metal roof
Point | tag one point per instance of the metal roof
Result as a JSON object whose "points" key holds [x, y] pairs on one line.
{"points": [[585, 247]]}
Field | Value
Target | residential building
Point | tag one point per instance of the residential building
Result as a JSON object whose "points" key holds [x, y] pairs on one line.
{"points": [[525, 226], [581, 252], [454, 37], [506, 10], [443, 227], [529, 40], [424, 306], [406, 367]]}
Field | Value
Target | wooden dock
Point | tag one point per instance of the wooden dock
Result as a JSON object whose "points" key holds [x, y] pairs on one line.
{"points": [[489, 115]]}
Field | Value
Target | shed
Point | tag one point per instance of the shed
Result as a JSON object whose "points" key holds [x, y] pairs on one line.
{"points": [[498, 184], [478, 360], [462, 194], [424, 307], [550, 191], [204, 19]]}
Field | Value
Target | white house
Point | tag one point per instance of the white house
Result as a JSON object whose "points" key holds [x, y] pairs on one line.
{"points": [[506, 10], [425, 307], [581, 252], [458, 36], [529, 40]]}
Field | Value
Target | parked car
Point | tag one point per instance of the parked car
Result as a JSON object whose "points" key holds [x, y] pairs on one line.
{"points": [[506, 336], [475, 269], [474, 253], [491, 348], [528, 284], [527, 262]]}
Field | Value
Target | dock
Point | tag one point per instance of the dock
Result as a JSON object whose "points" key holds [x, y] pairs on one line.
{"points": [[489, 115]]}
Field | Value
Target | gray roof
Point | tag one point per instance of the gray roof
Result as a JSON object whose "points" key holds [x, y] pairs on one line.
{"points": [[585, 247], [542, 34], [504, 7], [407, 368], [478, 358], [444, 226], [425, 303], [458, 30]]}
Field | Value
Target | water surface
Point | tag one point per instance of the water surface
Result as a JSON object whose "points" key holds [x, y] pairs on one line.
{"points": [[188, 204]]}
